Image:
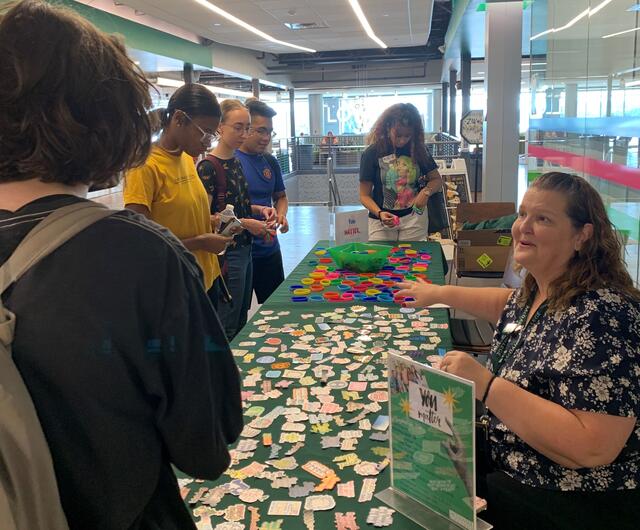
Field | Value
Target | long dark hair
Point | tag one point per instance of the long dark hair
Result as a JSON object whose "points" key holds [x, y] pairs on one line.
{"points": [[406, 115], [598, 264], [73, 106], [195, 100]]}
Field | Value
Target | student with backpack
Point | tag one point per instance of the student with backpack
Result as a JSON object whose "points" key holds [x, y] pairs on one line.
{"points": [[106, 332], [224, 180]]}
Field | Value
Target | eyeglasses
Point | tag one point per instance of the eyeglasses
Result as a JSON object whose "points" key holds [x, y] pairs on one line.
{"points": [[264, 132], [207, 138], [239, 129]]}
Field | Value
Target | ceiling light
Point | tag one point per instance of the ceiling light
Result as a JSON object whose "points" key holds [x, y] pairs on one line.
{"points": [[163, 81], [249, 27], [629, 71], [589, 12], [228, 91], [365, 23], [620, 33], [599, 7]]}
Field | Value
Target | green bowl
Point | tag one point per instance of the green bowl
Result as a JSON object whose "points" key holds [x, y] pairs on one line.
{"points": [[360, 257]]}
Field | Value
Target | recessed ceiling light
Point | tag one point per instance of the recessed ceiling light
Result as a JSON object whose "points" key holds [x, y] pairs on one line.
{"points": [[219, 11], [217, 24]]}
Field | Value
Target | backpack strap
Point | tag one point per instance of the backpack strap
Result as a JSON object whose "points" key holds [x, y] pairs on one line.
{"points": [[29, 496], [219, 182], [52, 232]]}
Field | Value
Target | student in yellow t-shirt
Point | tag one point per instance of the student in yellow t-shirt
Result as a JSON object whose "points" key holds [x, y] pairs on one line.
{"points": [[167, 189]]}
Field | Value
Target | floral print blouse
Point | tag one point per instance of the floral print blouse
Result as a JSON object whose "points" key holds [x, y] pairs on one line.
{"points": [[584, 358], [237, 192]]}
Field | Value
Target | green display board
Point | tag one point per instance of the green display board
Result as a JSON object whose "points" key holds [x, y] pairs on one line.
{"points": [[432, 417]]}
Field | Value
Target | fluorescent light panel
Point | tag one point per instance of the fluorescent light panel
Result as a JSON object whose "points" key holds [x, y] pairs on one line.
{"points": [[589, 12], [228, 91], [164, 81], [175, 83], [365, 23], [219, 11], [620, 33]]}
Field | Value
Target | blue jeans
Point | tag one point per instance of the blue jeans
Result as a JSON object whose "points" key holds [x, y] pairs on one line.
{"points": [[239, 278]]}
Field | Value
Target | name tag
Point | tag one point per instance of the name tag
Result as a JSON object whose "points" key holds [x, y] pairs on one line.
{"points": [[512, 327]]}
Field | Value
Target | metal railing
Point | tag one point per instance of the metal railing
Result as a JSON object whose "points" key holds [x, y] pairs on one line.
{"points": [[311, 153]]}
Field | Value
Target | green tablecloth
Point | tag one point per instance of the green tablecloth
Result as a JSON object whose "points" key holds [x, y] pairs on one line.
{"points": [[386, 325]]}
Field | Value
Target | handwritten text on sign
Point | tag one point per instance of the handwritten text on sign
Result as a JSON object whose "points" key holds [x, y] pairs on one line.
{"points": [[430, 408]]}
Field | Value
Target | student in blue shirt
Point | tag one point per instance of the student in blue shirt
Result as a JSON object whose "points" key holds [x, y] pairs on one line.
{"points": [[266, 188]]}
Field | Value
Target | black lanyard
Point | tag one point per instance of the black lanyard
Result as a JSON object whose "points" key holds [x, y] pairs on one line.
{"points": [[507, 345]]}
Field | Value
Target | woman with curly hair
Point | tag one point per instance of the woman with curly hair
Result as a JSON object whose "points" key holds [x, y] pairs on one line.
{"points": [[397, 176], [563, 381]]}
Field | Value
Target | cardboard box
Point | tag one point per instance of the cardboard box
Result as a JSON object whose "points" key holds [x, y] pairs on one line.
{"points": [[483, 250]]}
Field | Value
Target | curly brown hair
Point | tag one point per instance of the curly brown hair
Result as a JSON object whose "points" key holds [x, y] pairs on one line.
{"points": [[598, 264], [73, 106], [406, 115]]}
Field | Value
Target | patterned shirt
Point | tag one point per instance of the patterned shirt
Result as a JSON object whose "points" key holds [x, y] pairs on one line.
{"points": [[237, 192], [584, 358], [396, 178]]}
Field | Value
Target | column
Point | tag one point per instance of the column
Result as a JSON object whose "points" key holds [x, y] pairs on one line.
{"points": [[315, 115], [445, 107], [188, 74], [255, 87], [436, 99], [453, 120], [503, 44], [292, 111], [571, 100], [609, 93], [465, 80]]}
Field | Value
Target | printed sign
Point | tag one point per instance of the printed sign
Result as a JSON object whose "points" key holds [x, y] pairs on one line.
{"points": [[432, 426], [430, 407], [352, 227], [471, 126]]}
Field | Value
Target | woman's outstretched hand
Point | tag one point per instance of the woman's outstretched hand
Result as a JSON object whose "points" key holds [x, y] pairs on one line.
{"points": [[423, 294]]}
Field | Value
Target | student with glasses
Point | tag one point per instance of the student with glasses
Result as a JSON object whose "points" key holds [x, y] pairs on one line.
{"points": [[167, 190], [224, 180], [266, 188]]}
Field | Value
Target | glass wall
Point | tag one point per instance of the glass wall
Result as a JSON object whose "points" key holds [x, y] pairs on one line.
{"points": [[584, 108], [282, 120], [347, 114]]}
